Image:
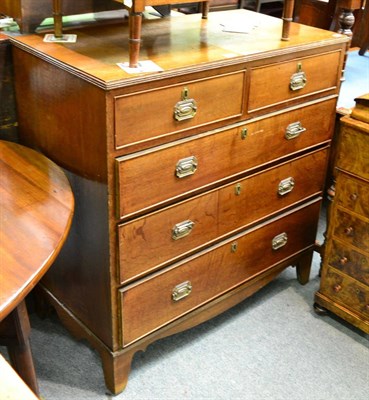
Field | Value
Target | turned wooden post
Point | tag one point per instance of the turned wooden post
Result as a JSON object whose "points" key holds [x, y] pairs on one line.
{"points": [[287, 18], [135, 23], [58, 18]]}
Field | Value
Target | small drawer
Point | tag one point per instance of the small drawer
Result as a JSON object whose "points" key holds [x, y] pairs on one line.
{"points": [[346, 291], [195, 281], [152, 113], [351, 140], [189, 225], [352, 193], [156, 177], [351, 229], [294, 81], [349, 261]]}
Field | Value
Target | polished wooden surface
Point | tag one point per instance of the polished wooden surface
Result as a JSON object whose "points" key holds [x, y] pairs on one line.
{"points": [[36, 213], [180, 42], [117, 135]]}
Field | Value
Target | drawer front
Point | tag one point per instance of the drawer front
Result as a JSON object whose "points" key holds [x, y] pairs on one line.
{"points": [[351, 229], [352, 194], [171, 109], [157, 177], [349, 261], [186, 226], [346, 291], [195, 281], [293, 81], [349, 158]]}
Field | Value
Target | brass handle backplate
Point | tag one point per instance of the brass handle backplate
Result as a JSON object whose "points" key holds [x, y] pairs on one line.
{"points": [[294, 130], [298, 80], [181, 291], [186, 166], [279, 241], [286, 186], [186, 108], [182, 229]]}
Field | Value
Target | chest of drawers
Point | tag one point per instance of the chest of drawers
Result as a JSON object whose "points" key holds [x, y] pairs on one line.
{"points": [[344, 286], [194, 186]]}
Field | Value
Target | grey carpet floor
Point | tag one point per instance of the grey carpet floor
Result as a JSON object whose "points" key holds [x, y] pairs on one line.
{"points": [[271, 346]]}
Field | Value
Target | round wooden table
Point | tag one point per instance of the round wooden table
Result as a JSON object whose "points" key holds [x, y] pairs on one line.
{"points": [[36, 210]]}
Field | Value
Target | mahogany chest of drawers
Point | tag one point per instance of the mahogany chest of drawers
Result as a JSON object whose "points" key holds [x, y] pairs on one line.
{"points": [[195, 186], [344, 287]]}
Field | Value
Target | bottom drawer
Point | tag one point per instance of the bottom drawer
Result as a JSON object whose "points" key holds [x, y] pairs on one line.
{"points": [[346, 291], [165, 296]]}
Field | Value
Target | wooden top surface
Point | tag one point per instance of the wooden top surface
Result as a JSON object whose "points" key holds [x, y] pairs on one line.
{"points": [[36, 208], [177, 43]]}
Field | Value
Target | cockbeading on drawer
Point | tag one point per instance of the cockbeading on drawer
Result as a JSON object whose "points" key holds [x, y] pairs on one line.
{"points": [[284, 83], [211, 273], [173, 108], [190, 225], [150, 178]]}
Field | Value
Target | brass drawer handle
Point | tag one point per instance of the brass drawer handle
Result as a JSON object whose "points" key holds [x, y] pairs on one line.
{"points": [[182, 229], [286, 186], [349, 231], [298, 80], [343, 260], [186, 166], [279, 241], [337, 288], [186, 108], [354, 196], [181, 291], [294, 130]]}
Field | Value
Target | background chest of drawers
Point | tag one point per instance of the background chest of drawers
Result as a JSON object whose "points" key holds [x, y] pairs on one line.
{"points": [[344, 286], [194, 186]]}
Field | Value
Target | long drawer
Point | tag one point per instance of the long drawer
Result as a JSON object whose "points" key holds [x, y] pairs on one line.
{"points": [[174, 108], [351, 262], [353, 194], [195, 281], [149, 178], [351, 229], [346, 291], [292, 81], [184, 227]]}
